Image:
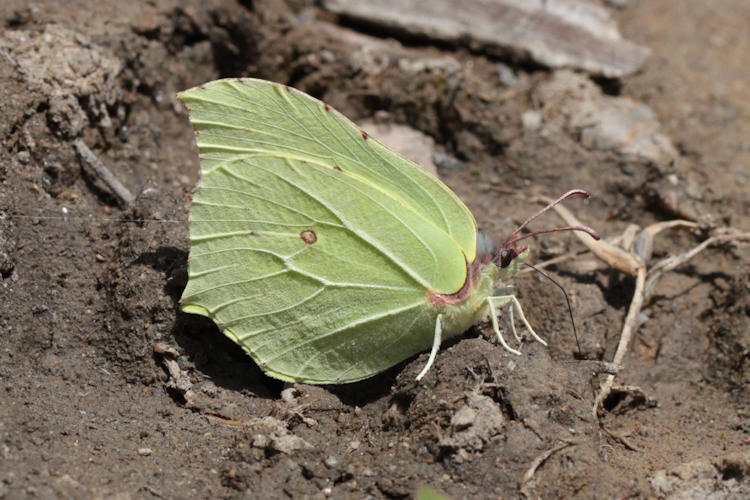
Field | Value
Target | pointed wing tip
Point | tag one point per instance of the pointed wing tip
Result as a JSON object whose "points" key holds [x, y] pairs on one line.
{"points": [[191, 92]]}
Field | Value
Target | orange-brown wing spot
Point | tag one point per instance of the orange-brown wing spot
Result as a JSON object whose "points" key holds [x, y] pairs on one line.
{"points": [[337, 168], [308, 236], [326, 107], [364, 134]]}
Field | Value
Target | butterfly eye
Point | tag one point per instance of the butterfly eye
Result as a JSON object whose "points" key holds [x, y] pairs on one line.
{"points": [[506, 257]]}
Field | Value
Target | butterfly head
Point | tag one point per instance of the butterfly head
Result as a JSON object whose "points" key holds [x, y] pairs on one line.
{"points": [[510, 257]]}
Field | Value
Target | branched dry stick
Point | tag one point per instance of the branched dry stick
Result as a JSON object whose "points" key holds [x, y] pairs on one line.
{"points": [[633, 263], [722, 235]]}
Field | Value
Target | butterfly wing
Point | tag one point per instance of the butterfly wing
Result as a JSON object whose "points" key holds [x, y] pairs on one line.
{"points": [[312, 245]]}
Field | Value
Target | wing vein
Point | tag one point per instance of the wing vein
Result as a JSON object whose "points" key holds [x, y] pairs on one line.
{"points": [[353, 324]]}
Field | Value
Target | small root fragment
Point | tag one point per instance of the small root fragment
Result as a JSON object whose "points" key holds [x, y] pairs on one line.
{"points": [[620, 438], [538, 461], [105, 174]]}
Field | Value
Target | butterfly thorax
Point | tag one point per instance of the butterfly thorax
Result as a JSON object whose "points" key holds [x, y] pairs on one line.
{"points": [[468, 306]]}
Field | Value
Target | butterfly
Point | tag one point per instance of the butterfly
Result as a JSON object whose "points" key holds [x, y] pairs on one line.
{"points": [[323, 253]]}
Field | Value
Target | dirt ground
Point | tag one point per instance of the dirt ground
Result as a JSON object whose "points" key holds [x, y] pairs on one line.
{"points": [[109, 390]]}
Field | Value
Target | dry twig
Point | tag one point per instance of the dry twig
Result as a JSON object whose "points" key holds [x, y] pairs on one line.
{"points": [[634, 263], [101, 170]]}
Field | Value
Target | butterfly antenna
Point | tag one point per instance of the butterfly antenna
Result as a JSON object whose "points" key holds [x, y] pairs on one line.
{"points": [[573, 192], [585, 229], [567, 299]]}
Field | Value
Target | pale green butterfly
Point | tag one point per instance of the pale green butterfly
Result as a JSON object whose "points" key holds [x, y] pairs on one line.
{"points": [[327, 256]]}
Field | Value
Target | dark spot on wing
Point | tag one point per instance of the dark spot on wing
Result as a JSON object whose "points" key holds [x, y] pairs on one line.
{"points": [[308, 236], [326, 107], [337, 168], [364, 134]]}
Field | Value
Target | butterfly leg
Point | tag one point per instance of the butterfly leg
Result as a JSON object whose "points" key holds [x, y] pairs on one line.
{"points": [[435, 346], [505, 293], [516, 303], [500, 302], [512, 323]]}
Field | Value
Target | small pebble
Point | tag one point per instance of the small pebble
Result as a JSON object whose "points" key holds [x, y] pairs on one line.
{"points": [[144, 452], [531, 120], [289, 394], [507, 75], [24, 157]]}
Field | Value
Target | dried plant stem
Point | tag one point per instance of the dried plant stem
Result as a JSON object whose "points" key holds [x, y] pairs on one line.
{"points": [[634, 265], [671, 263], [538, 461], [631, 321], [105, 174]]}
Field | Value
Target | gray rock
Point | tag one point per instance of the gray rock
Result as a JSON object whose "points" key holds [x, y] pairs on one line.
{"points": [[602, 122], [564, 33]]}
